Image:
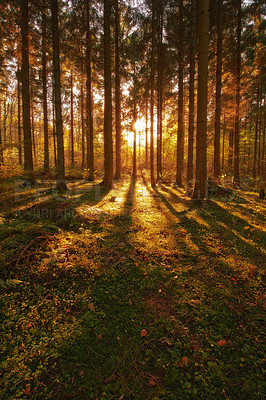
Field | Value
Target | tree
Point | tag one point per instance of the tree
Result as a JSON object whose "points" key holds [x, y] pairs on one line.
{"points": [[108, 140], [152, 73], [191, 117], [61, 184], [180, 135], [25, 77], [237, 97], [117, 93], [201, 185], [44, 86], [218, 93], [89, 101]]}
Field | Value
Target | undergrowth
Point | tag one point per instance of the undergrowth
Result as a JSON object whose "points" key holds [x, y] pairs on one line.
{"points": [[146, 296]]}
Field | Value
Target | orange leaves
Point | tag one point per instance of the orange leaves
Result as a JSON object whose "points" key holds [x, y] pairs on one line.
{"points": [[221, 343], [26, 391], [100, 336], [22, 347], [143, 333], [185, 361]]}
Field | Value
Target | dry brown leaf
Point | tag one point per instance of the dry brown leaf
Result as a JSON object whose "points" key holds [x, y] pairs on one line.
{"points": [[91, 306], [22, 347], [185, 360], [27, 390], [143, 333], [222, 343], [100, 336], [152, 382]]}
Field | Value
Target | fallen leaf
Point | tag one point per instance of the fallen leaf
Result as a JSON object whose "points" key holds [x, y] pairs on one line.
{"points": [[194, 302], [152, 382], [185, 360], [22, 347], [246, 227], [167, 341], [100, 336], [222, 343], [143, 333], [27, 390], [91, 306]]}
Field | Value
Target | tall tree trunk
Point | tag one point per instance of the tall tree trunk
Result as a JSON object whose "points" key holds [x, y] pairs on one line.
{"points": [[259, 136], [117, 93], [160, 92], [61, 184], [33, 128], [263, 170], [72, 120], [25, 76], [54, 128], [180, 135], [146, 131], [108, 140], [82, 126], [218, 91], [152, 99], [19, 118], [191, 92], [1, 142], [46, 165], [201, 184], [134, 129], [89, 101], [11, 124], [223, 154], [230, 149], [237, 99], [256, 134]]}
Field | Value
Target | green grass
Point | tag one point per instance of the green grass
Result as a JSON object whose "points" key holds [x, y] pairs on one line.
{"points": [[148, 296]]}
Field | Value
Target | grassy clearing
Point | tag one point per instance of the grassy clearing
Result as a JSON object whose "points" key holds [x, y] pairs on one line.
{"points": [[131, 294]]}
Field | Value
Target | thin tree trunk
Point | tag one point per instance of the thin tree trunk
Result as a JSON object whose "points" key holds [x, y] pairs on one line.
{"points": [[230, 149], [89, 101], [160, 91], [33, 128], [46, 165], [259, 136], [117, 93], [11, 124], [201, 184], [19, 119], [82, 126], [134, 129], [180, 135], [256, 134], [152, 99], [28, 159], [146, 131], [191, 92], [218, 91], [72, 120], [263, 171], [237, 100], [223, 153], [1, 142], [108, 140], [61, 184], [54, 128]]}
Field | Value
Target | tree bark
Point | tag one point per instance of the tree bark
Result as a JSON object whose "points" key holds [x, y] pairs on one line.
{"points": [[46, 165], [191, 92], [1, 142], [82, 126], [201, 185], [236, 179], [117, 93], [19, 117], [72, 120], [152, 99], [160, 92], [25, 77], [108, 140], [61, 184], [89, 101], [218, 91], [180, 134]]}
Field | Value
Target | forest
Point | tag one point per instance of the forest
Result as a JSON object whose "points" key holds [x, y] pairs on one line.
{"points": [[132, 199]]}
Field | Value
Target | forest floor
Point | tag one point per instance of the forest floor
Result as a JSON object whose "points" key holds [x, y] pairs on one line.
{"points": [[131, 293]]}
